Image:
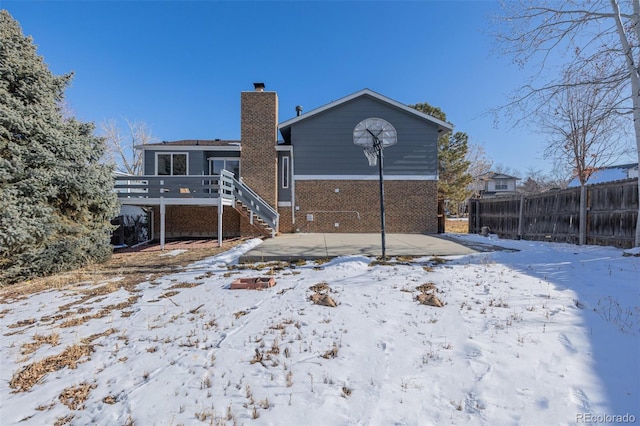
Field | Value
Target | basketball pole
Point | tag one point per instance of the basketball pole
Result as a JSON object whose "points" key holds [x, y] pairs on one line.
{"points": [[381, 175], [389, 137]]}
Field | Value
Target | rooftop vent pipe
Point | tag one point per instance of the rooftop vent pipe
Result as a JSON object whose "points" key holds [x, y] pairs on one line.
{"points": [[259, 87], [298, 110]]}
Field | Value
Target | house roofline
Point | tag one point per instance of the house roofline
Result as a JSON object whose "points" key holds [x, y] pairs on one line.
{"points": [[626, 166], [177, 148], [494, 175], [442, 125]]}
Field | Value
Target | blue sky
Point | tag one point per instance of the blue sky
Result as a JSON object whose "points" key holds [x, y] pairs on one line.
{"points": [[180, 66]]}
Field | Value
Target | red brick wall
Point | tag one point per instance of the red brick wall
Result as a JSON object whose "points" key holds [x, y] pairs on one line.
{"points": [[286, 220], [259, 135], [196, 222], [249, 230], [410, 206]]}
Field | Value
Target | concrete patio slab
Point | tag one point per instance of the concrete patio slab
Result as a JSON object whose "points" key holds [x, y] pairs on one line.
{"points": [[323, 246]]}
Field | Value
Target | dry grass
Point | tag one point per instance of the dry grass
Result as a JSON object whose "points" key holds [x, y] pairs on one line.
{"points": [[26, 378], [456, 226], [331, 353], [92, 283], [168, 294], [427, 287], [184, 285], [320, 287], [321, 296], [102, 313], [240, 314], [64, 420], [75, 396], [109, 399], [93, 337], [39, 340], [131, 267], [22, 323]]}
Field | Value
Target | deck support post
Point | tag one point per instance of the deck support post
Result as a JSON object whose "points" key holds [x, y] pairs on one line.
{"points": [[162, 222], [220, 210]]}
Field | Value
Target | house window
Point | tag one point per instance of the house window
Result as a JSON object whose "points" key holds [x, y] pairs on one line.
{"points": [[285, 172], [228, 164], [501, 186], [171, 164]]}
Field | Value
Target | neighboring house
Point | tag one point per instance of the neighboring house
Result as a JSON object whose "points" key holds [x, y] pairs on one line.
{"points": [[498, 185], [609, 174], [312, 180]]}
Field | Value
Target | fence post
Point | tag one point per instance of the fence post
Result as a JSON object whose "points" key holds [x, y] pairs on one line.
{"points": [[477, 221], [521, 217]]}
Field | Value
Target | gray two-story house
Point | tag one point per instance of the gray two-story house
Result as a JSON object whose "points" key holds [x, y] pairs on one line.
{"points": [[311, 179]]}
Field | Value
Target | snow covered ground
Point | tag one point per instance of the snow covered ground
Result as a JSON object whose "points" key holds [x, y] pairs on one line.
{"points": [[548, 334]]}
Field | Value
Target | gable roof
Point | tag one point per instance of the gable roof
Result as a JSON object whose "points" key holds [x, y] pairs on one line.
{"points": [[494, 175], [442, 125]]}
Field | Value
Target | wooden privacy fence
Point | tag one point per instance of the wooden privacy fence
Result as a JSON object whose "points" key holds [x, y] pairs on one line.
{"points": [[612, 212]]}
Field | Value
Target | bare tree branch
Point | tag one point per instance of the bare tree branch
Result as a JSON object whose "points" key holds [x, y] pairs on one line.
{"points": [[479, 166], [121, 147], [597, 44]]}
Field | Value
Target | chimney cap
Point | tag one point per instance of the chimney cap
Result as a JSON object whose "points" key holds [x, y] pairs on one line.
{"points": [[259, 87]]}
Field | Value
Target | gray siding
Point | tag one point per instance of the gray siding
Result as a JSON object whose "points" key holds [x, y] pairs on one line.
{"points": [[324, 142], [149, 163], [284, 194], [197, 163]]}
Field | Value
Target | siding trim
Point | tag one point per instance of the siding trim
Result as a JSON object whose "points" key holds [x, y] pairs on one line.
{"points": [[365, 177]]}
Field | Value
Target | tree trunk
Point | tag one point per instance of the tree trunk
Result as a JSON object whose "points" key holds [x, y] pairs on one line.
{"points": [[582, 223], [634, 76]]}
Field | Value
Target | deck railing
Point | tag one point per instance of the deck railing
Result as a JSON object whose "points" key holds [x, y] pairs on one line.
{"points": [[142, 190], [129, 187]]}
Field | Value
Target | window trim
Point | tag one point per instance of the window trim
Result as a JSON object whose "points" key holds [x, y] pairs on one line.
{"points": [[286, 175], [501, 186], [172, 153], [225, 159]]}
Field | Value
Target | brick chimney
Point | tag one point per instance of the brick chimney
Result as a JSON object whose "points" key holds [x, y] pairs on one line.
{"points": [[259, 136]]}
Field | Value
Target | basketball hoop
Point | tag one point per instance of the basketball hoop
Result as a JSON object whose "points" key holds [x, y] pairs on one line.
{"points": [[373, 135], [371, 153]]}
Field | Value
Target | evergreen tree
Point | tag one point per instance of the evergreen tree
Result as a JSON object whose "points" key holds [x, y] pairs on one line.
{"points": [[453, 166], [56, 198]]}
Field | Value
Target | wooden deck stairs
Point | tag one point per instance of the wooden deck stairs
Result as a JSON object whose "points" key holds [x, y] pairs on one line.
{"points": [[259, 224]]}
